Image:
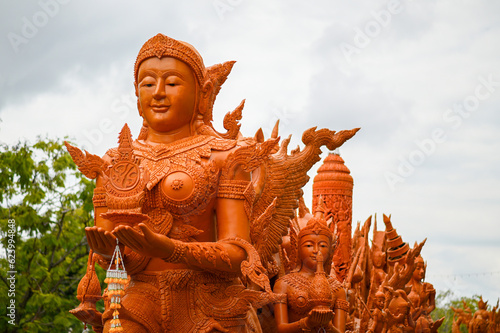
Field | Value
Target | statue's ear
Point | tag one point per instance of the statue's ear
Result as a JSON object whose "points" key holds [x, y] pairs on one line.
{"points": [[139, 107], [207, 91], [138, 102]]}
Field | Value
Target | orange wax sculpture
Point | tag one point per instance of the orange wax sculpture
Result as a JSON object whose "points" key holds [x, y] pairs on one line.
{"points": [[199, 215]]}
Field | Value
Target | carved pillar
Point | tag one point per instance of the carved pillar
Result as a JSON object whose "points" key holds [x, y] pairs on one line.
{"points": [[334, 183]]}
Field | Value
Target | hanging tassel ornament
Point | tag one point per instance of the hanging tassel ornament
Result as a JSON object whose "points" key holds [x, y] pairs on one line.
{"points": [[116, 279]]}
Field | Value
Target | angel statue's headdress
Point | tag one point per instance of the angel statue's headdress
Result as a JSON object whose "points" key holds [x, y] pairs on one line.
{"points": [[419, 259], [482, 304], [163, 46], [317, 225]]}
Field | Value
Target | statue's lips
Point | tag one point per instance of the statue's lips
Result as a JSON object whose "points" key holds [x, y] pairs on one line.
{"points": [[160, 108]]}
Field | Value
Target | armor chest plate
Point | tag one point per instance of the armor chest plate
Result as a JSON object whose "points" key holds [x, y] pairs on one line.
{"points": [[187, 190], [183, 182], [298, 291]]}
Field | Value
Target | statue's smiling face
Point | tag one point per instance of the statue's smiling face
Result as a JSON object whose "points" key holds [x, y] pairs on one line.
{"points": [[166, 90], [379, 302], [419, 272], [309, 247]]}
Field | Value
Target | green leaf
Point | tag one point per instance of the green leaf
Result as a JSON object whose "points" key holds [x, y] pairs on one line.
{"points": [[51, 205]]}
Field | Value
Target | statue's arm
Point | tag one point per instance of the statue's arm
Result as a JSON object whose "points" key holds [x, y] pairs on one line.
{"points": [[281, 312], [100, 206], [99, 237], [432, 296], [373, 324], [341, 308], [232, 222]]}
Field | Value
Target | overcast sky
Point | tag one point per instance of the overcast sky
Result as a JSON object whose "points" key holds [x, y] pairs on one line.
{"points": [[421, 78]]}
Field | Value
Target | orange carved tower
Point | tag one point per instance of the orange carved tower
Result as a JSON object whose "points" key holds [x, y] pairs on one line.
{"points": [[335, 184]]}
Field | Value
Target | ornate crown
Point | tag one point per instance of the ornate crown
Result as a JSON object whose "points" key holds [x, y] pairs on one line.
{"points": [[419, 259], [317, 224], [164, 46]]}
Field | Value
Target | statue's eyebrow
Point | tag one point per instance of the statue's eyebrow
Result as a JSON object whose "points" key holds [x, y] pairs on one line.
{"points": [[144, 74], [149, 72], [173, 72]]}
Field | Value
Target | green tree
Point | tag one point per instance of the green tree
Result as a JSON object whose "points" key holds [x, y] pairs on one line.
{"points": [[45, 206], [444, 302]]}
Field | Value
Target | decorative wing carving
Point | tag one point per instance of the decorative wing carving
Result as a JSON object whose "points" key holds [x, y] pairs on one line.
{"points": [[248, 157], [217, 74], [89, 164], [279, 183], [231, 122]]}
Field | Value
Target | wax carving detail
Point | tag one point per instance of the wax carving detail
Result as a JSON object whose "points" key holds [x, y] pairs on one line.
{"points": [[124, 175], [177, 184]]}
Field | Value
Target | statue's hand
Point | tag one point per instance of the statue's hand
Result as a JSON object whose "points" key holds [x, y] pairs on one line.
{"points": [[319, 317], [145, 241], [398, 317], [88, 315], [101, 241], [218, 328]]}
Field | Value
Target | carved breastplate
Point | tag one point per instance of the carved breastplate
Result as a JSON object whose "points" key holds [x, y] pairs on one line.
{"points": [[182, 181], [187, 190], [298, 292]]}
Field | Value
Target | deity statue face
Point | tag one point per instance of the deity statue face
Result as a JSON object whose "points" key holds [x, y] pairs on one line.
{"points": [[419, 272], [379, 302], [378, 259], [309, 247], [399, 306], [166, 90]]}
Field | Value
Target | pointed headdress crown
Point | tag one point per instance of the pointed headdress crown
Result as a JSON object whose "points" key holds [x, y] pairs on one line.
{"points": [[482, 304], [380, 293], [317, 224], [163, 46]]}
